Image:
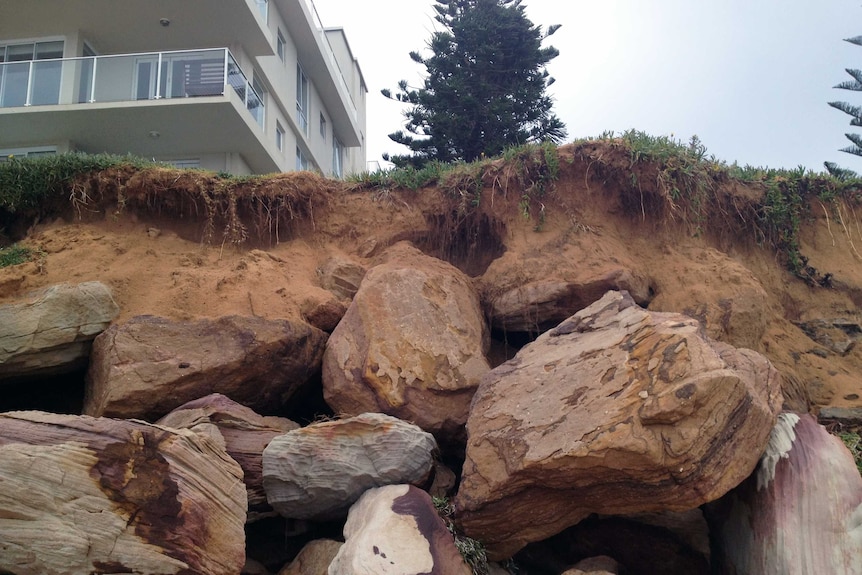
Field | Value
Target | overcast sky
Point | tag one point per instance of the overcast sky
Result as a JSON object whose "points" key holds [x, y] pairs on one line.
{"points": [[751, 78]]}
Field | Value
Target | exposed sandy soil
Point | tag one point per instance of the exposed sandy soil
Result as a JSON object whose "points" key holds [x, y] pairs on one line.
{"points": [[156, 264]]}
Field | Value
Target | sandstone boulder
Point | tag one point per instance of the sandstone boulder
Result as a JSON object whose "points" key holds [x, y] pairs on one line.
{"points": [[534, 290], [244, 433], [149, 366], [396, 530], [319, 471], [51, 331], [800, 513], [729, 299], [313, 559], [85, 495], [541, 304], [411, 345], [851, 416], [342, 277], [616, 411]]}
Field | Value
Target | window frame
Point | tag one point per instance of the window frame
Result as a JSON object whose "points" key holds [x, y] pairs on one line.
{"points": [[263, 9], [279, 136], [337, 157], [303, 89], [301, 159], [281, 45]]}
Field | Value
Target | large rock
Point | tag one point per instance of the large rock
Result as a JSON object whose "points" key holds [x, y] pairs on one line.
{"points": [[51, 331], [149, 366], [342, 277], [543, 303], [313, 559], [851, 416], [85, 495], [615, 411], [535, 292], [729, 299], [800, 513], [411, 345], [396, 530], [319, 471], [244, 433]]}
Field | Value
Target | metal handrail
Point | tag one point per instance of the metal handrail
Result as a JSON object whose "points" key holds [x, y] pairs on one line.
{"points": [[330, 52], [241, 85]]}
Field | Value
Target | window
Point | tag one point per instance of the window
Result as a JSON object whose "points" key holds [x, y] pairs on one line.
{"points": [[181, 75], [302, 99], [85, 86], [8, 153], [187, 164], [257, 107], [322, 127], [263, 8], [337, 158], [280, 45], [301, 160], [18, 87], [279, 136]]}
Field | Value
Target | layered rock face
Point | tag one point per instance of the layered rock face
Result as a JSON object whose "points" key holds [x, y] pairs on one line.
{"points": [[319, 471], [801, 512], [243, 433], [148, 366], [616, 411], [86, 495], [52, 330], [396, 530], [411, 345]]}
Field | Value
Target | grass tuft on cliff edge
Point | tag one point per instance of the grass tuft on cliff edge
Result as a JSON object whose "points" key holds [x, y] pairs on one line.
{"points": [[658, 177]]}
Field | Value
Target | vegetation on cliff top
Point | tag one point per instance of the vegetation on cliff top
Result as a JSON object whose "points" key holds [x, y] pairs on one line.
{"points": [[658, 177]]}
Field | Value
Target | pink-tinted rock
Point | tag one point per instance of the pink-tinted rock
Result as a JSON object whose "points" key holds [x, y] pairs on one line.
{"points": [[319, 471], [799, 513], [245, 435], [396, 530], [410, 345], [616, 411], [149, 366], [87, 495]]}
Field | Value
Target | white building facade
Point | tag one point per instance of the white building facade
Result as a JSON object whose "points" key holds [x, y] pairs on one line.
{"points": [[239, 86]]}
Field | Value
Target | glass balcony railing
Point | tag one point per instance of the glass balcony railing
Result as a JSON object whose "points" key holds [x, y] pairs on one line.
{"points": [[125, 78]]}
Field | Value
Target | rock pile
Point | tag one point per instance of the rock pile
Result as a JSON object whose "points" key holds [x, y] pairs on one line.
{"points": [[618, 422]]}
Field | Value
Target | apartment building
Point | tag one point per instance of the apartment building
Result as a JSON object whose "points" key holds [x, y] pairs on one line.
{"points": [[241, 86]]}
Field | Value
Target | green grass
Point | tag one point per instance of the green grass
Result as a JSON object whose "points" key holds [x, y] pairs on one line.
{"points": [[27, 184], [14, 255], [688, 177], [853, 441], [471, 550]]}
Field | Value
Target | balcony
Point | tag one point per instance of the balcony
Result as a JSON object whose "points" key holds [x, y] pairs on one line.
{"points": [[127, 78]]}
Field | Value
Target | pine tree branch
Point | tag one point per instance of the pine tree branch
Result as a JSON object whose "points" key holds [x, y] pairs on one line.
{"points": [[842, 174], [850, 110]]}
